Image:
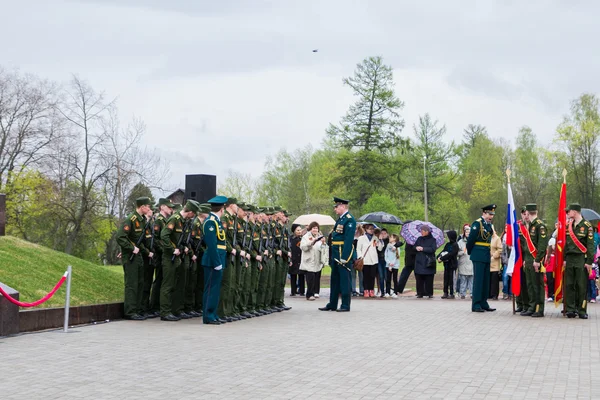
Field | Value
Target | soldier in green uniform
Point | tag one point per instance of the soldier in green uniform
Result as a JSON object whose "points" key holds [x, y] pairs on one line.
{"points": [[172, 236], [579, 255], [522, 299], [245, 243], [193, 282], [270, 261], [148, 257], [165, 208], [199, 248], [128, 236], [263, 253], [536, 241], [282, 257], [226, 298], [342, 250], [213, 260], [242, 262], [478, 247], [256, 217]]}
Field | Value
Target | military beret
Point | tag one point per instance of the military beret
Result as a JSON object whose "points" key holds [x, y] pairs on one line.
{"points": [[143, 201], [491, 209], [531, 207], [165, 202], [337, 200], [574, 207], [218, 201]]}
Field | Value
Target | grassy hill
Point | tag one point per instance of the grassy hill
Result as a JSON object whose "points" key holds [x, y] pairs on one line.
{"points": [[33, 270]]}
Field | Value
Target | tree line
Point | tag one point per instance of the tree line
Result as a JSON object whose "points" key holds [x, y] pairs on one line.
{"points": [[371, 157], [69, 167]]}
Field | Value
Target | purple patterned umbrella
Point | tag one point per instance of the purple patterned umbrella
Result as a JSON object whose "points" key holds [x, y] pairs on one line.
{"points": [[412, 230]]}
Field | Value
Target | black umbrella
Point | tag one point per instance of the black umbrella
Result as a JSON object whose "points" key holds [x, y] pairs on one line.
{"points": [[590, 214], [381, 217]]}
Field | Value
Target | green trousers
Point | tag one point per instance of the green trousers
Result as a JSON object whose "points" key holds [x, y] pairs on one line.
{"points": [[133, 275], [199, 294], [244, 286], [180, 282], [253, 290], [168, 287], [263, 284], [280, 278], [481, 285], [535, 288], [238, 284], [270, 264], [156, 284], [575, 284], [191, 285], [225, 298], [148, 276]]}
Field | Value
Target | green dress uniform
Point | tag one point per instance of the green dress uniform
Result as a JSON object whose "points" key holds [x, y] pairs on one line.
{"points": [[342, 250], [129, 233], [478, 247], [225, 297], [241, 268], [159, 223], [257, 272], [270, 267], [576, 275], [169, 237], [149, 266], [535, 280], [246, 268], [522, 299], [192, 281], [264, 270], [213, 262]]}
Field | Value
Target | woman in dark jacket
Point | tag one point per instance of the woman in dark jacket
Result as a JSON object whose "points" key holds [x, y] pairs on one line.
{"points": [[296, 276], [425, 262], [449, 257]]}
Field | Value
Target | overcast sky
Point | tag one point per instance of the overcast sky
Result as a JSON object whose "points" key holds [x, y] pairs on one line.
{"points": [[223, 84]]}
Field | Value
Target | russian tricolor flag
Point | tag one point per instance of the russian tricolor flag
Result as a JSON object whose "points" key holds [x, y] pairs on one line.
{"points": [[515, 261]]}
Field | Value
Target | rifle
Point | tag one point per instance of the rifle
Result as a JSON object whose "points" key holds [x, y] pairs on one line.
{"points": [[245, 231], [153, 261], [234, 241], [260, 240], [139, 241], [181, 237]]}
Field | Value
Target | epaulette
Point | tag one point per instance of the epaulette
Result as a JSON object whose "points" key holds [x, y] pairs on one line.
{"points": [[133, 217], [349, 215], [177, 216], [160, 216], [586, 222], [212, 218]]}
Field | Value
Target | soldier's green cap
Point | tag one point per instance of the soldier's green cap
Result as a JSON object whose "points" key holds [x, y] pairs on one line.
{"points": [[245, 207], [286, 213], [531, 207], [143, 201], [231, 200], [205, 208], [523, 209], [268, 210], [277, 209], [490, 209], [218, 201], [574, 207], [177, 207], [192, 205], [165, 202]]}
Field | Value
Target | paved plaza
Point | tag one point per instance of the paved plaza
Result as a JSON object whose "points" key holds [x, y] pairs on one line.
{"points": [[384, 349]]}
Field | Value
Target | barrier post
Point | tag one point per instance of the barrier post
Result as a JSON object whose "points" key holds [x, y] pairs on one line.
{"points": [[68, 296]]}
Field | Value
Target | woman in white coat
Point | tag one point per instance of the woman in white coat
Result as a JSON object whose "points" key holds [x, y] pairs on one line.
{"points": [[315, 254], [366, 248]]}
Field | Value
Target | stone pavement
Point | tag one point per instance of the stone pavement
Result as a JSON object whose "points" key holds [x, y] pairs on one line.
{"points": [[384, 349]]}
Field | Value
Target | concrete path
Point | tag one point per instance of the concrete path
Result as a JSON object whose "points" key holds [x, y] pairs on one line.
{"points": [[384, 349]]}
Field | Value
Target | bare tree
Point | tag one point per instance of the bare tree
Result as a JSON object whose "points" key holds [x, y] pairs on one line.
{"points": [[28, 121], [84, 110]]}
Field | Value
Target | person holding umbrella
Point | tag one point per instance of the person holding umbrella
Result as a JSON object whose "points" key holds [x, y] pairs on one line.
{"points": [[341, 251], [478, 247]]}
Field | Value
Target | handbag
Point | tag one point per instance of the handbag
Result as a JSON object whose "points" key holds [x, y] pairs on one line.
{"points": [[360, 262]]}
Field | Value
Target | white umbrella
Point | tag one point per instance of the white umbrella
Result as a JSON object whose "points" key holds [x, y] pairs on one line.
{"points": [[318, 218]]}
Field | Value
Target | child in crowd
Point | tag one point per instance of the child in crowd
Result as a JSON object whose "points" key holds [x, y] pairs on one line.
{"points": [[392, 262]]}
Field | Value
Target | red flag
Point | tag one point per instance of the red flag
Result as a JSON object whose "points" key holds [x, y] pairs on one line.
{"points": [[559, 269]]}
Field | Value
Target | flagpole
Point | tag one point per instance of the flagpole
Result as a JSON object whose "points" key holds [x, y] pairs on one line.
{"points": [[513, 295], [562, 269]]}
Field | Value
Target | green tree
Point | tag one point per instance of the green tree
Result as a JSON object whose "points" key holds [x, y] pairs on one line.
{"points": [[580, 134], [370, 129]]}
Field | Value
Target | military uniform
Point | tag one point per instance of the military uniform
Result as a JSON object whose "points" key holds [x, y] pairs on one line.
{"points": [[342, 250], [191, 265], [213, 261], [534, 250], [149, 266], [478, 247], [522, 299], [173, 285], [579, 251], [227, 282], [128, 236], [159, 223]]}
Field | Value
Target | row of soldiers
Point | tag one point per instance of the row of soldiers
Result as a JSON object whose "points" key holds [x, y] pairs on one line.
{"points": [[162, 249]]}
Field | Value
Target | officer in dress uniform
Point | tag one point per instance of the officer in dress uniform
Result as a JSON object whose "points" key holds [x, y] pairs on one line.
{"points": [[579, 255], [478, 247], [342, 250], [522, 299], [213, 260]]}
